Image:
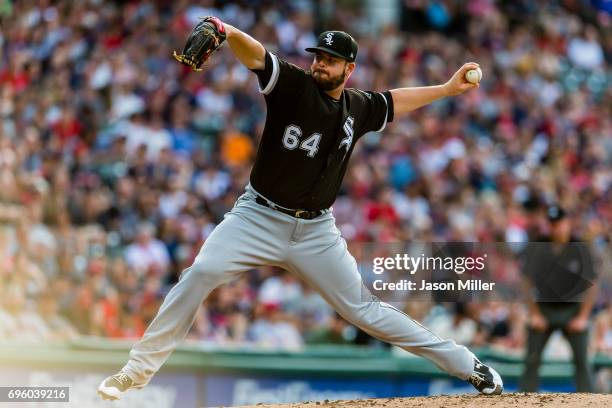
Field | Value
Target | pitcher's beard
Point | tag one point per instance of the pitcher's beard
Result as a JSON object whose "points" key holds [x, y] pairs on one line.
{"points": [[329, 83]]}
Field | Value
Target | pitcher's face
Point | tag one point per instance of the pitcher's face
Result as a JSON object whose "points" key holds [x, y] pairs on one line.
{"points": [[330, 72]]}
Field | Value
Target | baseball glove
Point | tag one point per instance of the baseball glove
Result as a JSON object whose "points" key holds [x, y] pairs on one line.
{"points": [[205, 38]]}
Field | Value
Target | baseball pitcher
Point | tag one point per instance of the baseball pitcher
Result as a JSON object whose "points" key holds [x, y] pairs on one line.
{"points": [[284, 217]]}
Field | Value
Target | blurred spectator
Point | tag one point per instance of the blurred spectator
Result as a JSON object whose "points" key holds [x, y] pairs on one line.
{"points": [[585, 51], [271, 328], [311, 310], [147, 254], [603, 344], [603, 331], [337, 331], [20, 319], [455, 325], [59, 327], [282, 290]]}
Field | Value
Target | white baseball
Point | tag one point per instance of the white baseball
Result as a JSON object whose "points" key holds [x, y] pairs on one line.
{"points": [[473, 76]]}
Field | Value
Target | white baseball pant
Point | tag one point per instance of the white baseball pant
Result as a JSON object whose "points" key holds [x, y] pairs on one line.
{"points": [[253, 235]]}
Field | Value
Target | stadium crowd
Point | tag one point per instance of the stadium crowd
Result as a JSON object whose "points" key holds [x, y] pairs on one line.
{"points": [[116, 162]]}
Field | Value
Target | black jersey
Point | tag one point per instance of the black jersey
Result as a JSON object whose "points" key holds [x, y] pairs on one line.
{"points": [[559, 272], [309, 136]]}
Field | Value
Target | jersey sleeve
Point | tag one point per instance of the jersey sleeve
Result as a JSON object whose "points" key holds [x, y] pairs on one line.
{"points": [[378, 111], [280, 78]]}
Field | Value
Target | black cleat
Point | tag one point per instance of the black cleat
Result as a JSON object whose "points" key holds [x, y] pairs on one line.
{"points": [[485, 379], [113, 387]]}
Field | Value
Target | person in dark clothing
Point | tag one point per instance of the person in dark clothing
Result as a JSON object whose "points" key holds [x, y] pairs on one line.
{"points": [[561, 290]]}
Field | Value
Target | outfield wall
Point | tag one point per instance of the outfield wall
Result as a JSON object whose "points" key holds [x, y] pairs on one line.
{"points": [[196, 376]]}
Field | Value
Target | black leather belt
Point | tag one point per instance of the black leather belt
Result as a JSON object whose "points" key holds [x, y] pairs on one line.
{"points": [[303, 214]]}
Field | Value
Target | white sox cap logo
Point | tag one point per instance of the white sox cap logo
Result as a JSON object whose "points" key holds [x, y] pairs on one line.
{"points": [[329, 38]]}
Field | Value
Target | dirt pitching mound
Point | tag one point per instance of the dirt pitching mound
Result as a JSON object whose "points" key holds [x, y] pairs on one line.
{"points": [[515, 400]]}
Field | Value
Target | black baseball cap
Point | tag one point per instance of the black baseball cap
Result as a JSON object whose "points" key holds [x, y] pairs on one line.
{"points": [[555, 213], [338, 44]]}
